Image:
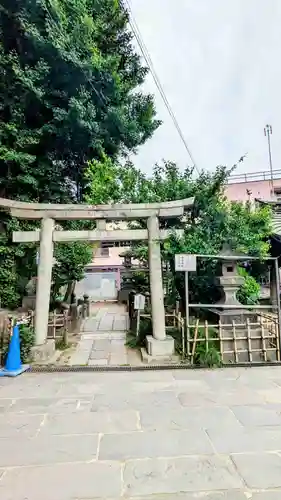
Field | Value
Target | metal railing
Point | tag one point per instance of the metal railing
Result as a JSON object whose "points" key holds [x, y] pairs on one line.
{"points": [[254, 176]]}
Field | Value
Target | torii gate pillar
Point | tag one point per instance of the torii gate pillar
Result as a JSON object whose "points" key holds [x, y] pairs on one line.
{"points": [[159, 345], [44, 280]]}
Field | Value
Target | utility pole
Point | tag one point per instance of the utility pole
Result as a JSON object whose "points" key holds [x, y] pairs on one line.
{"points": [[268, 133]]}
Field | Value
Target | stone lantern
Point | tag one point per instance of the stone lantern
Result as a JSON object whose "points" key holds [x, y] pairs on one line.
{"points": [[230, 282], [127, 262]]}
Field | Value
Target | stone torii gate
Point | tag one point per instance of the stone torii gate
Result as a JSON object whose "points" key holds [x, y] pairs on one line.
{"points": [[159, 344]]}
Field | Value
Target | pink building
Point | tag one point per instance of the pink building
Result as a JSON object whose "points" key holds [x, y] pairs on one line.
{"points": [[102, 279], [243, 187]]}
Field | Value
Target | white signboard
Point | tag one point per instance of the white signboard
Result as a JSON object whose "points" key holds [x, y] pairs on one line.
{"points": [[139, 302], [185, 262]]}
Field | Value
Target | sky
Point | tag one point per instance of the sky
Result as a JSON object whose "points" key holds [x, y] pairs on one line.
{"points": [[219, 64]]}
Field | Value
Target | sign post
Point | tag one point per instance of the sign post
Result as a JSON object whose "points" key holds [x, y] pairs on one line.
{"points": [[139, 304], [186, 263]]}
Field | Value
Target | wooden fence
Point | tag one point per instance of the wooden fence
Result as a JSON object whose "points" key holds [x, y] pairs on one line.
{"points": [[248, 342], [60, 325], [245, 342]]}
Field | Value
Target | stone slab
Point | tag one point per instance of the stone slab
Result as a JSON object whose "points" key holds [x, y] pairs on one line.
{"points": [[255, 415], [203, 495], [90, 325], [62, 482], [90, 423], [47, 450], [14, 425], [239, 397], [98, 362], [144, 402], [98, 354], [190, 474], [79, 358], [245, 440], [117, 401], [259, 471], [106, 323], [28, 387], [4, 404], [168, 443], [101, 345], [118, 359], [267, 495], [44, 405], [186, 418], [77, 389], [85, 344], [120, 323]]}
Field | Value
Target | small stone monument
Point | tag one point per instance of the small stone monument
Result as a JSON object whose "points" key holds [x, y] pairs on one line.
{"points": [[29, 300]]}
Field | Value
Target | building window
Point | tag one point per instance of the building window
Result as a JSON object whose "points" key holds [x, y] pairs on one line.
{"points": [[277, 192], [102, 252]]}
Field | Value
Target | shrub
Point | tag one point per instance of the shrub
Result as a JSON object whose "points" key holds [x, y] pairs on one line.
{"points": [[26, 341]]}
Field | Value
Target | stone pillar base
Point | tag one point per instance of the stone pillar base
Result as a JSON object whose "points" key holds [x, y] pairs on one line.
{"points": [[159, 350], [44, 352]]}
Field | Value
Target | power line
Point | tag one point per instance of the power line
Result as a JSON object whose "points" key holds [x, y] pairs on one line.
{"points": [[148, 60]]}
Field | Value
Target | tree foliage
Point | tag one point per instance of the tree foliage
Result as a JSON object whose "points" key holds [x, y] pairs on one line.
{"points": [[212, 222], [68, 95]]}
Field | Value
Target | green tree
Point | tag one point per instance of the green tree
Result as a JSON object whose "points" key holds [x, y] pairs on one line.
{"points": [[212, 222], [69, 267], [68, 94]]}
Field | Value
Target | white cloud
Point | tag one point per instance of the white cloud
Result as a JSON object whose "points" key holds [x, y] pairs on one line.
{"points": [[219, 64]]}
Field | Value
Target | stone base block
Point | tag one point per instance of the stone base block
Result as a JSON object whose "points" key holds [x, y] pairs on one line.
{"points": [[174, 359], [44, 352], [160, 350]]}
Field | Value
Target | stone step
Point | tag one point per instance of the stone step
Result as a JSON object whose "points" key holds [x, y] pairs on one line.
{"points": [[104, 335]]}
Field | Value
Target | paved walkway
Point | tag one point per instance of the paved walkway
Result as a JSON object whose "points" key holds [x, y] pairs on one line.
{"points": [[103, 338], [174, 435]]}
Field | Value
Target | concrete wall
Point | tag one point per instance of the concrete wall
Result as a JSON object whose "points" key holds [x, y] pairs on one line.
{"points": [[259, 189]]}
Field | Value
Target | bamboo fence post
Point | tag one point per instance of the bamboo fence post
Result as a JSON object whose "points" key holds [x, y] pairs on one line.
{"points": [[179, 318], [206, 335], [194, 341], [234, 342], [65, 328], [183, 335], [54, 324], [250, 354], [275, 327], [263, 342], [220, 339]]}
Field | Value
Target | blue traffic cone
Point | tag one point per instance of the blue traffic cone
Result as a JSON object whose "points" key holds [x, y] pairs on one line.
{"points": [[13, 366]]}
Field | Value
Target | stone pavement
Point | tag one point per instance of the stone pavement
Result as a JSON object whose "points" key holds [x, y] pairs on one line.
{"points": [[174, 435], [103, 338]]}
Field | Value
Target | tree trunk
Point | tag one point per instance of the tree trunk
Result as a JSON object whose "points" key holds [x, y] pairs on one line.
{"points": [[69, 291]]}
